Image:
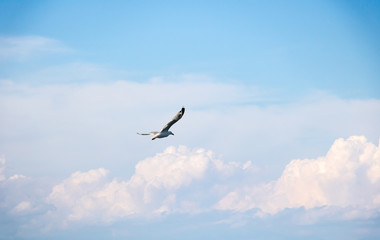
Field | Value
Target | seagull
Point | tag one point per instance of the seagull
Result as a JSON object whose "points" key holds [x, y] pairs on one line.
{"points": [[165, 130]]}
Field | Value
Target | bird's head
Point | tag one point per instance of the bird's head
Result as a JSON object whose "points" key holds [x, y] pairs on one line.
{"points": [[170, 132]]}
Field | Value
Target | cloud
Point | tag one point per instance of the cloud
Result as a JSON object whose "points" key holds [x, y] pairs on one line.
{"points": [[170, 170], [346, 180], [93, 198], [111, 113], [21, 202], [347, 177], [71, 73], [344, 183], [99, 117], [2, 168], [23, 206], [23, 48], [90, 197]]}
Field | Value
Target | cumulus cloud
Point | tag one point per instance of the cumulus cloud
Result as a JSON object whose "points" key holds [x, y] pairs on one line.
{"points": [[173, 168], [21, 199], [347, 177], [92, 197], [89, 196], [345, 183]]}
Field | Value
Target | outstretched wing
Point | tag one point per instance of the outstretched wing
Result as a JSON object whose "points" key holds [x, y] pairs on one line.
{"points": [[175, 119], [150, 133]]}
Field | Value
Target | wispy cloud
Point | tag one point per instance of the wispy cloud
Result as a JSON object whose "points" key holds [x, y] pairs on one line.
{"points": [[24, 48], [103, 116]]}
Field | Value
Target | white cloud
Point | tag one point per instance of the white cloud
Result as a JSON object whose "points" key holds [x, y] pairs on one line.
{"points": [[16, 176], [90, 122], [72, 73], [91, 197], [172, 168], [86, 115], [73, 115], [344, 182], [347, 177], [23, 206], [99, 117], [2, 168], [22, 48], [2, 171]]}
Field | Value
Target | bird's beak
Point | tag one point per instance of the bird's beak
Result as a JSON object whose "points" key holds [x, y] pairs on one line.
{"points": [[173, 134]]}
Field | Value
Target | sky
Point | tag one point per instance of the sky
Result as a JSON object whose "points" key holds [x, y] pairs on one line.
{"points": [[280, 138]]}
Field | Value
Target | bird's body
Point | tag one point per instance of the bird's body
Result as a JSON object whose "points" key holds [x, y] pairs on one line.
{"points": [[165, 130], [162, 134]]}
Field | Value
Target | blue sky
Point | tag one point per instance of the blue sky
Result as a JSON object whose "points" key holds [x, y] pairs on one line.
{"points": [[280, 139], [302, 45]]}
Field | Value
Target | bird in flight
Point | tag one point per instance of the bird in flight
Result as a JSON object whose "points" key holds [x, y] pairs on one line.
{"points": [[165, 130]]}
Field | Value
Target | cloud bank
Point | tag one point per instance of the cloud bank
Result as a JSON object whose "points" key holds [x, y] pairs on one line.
{"points": [[344, 183], [88, 122]]}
